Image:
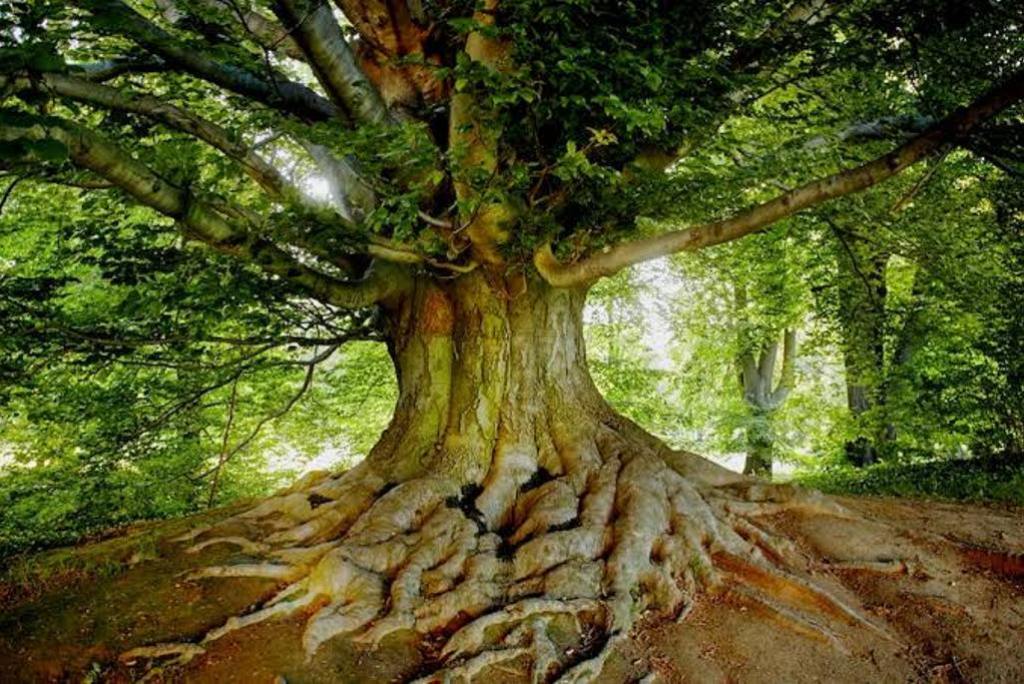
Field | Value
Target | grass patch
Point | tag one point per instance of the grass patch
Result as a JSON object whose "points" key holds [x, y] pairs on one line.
{"points": [[28, 575], [993, 479]]}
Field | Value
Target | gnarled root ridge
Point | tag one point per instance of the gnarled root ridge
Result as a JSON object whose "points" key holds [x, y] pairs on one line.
{"points": [[544, 566]]}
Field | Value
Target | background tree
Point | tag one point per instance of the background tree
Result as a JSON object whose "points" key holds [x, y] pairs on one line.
{"points": [[737, 320]]}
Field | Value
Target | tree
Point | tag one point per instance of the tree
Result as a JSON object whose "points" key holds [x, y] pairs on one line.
{"points": [[737, 319], [764, 398], [862, 292], [914, 301], [481, 168], [758, 352]]}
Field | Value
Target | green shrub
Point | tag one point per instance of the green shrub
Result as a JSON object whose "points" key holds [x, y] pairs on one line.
{"points": [[998, 479]]}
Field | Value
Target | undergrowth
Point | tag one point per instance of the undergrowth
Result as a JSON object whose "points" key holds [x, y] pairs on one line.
{"points": [[992, 479]]}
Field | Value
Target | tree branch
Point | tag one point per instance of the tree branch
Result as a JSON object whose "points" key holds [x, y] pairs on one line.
{"points": [[307, 382], [119, 66], [474, 135], [812, 194], [223, 456], [199, 219], [311, 23], [766, 362], [279, 93], [788, 378], [8, 191], [81, 90], [352, 197], [263, 31]]}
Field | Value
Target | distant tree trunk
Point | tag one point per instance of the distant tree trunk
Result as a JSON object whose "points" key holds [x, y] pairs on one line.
{"points": [[895, 382], [760, 449], [764, 397], [862, 297]]}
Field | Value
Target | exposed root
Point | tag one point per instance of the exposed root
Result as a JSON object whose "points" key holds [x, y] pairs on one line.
{"points": [[242, 543], [793, 619], [264, 570], [474, 637], [889, 566], [183, 652], [271, 610], [589, 669], [1004, 563], [468, 670], [608, 532], [797, 591]]}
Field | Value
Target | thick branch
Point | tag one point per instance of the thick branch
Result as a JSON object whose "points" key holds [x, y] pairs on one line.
{"points": [[81, 90], [352, 197], [277, 92], [804, 197], [265, 32], [395, 49], [318, 35], [112, 68], [788, 377], [473, 135], [91, 151], [766, 364]]}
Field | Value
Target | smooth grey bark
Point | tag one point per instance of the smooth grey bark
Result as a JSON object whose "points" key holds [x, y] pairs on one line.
{"points": [[764, 397]]}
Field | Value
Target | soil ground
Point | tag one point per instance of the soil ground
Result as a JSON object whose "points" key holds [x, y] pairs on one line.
{"points": [[947, 581]]}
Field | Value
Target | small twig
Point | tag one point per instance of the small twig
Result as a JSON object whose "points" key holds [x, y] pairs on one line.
{"points": [[853, 258], [901, 202], [9, 191], [436, 222], [306, 383], [222, 458]]}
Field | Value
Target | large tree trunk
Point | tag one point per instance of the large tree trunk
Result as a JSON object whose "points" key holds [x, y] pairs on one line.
{"points": [[507, 505]]}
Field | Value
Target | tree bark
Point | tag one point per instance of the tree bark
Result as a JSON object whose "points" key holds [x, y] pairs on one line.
{"points": [[762, 397], [485, 378]]}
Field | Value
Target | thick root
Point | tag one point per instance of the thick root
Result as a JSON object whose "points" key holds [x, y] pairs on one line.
{"points": [[612, 533], [242, 543], [183, 652]]}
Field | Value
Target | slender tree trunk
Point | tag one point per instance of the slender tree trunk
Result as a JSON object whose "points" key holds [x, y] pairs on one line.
{"points": [[764, 397], [897, 390], [760, 449], [862, 292]]}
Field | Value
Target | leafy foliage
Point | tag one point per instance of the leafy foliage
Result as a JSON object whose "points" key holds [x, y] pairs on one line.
{"points": [[121, 353], [978, 479]]}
